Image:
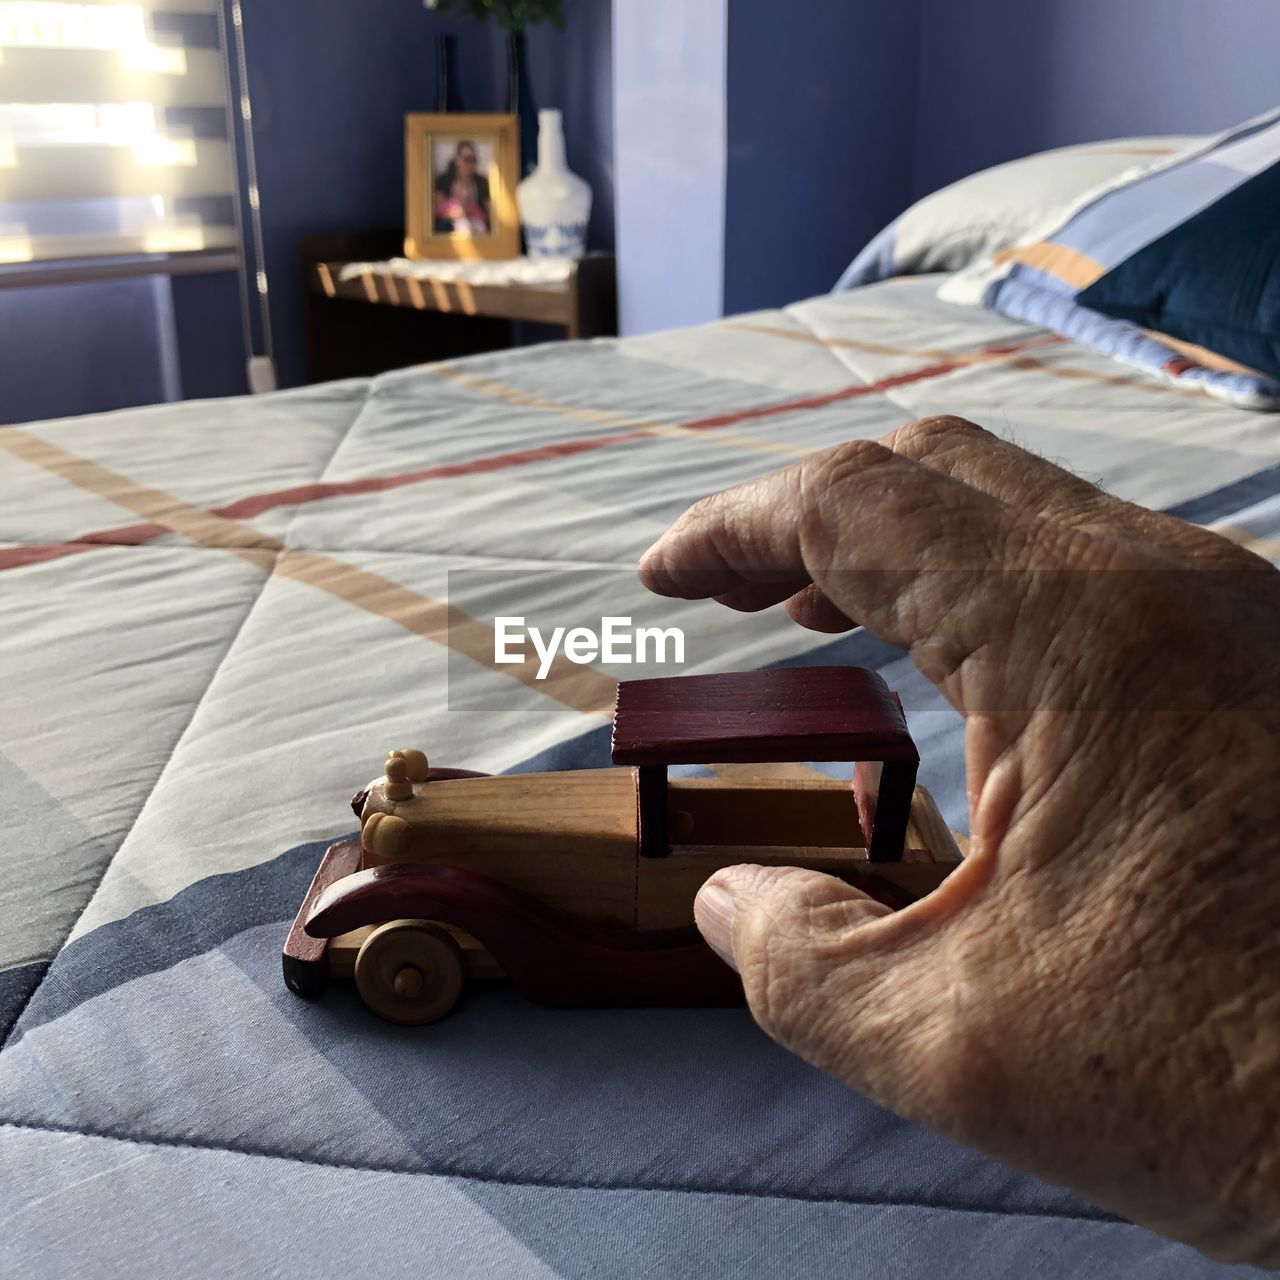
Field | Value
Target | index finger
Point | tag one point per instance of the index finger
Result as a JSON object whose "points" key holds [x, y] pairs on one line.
{"points": [[905, 549]]}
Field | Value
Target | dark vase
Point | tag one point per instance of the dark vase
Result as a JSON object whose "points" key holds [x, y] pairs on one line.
{"points": [[448, 94], [520, 100]]}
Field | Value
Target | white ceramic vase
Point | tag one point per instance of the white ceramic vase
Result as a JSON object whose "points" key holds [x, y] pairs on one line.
{"points": [[554, 202]]}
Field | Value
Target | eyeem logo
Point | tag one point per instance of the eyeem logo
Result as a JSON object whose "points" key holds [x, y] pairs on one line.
{"points": [[617, 641]]}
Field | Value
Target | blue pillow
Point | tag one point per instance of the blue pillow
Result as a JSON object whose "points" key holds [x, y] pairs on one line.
{"points": [[1213, 281]]}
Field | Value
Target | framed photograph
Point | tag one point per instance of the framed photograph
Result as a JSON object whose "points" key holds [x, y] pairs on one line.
{"points": [[460, 186]]}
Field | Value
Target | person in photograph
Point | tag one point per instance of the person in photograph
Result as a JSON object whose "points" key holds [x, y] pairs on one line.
{"points": [[462, 194]]}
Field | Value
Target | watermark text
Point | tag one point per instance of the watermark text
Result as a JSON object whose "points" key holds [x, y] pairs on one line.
{"points": [[616, 641]]}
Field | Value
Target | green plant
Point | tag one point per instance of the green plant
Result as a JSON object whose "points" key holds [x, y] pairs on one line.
{"points": [[510, 15]]}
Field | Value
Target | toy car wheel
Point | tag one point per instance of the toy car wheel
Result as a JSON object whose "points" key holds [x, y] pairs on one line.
{"points": [[409, 971]]}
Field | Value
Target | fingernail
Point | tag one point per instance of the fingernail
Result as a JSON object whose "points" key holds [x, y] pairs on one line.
{"points": [[713, 910]]}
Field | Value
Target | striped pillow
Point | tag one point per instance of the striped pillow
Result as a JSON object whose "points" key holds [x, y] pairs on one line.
{"points": [[1040, 280], [995, 208]]}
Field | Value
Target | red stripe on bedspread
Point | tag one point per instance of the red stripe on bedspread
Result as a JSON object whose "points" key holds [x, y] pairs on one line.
{"points": [[923, 374], [257, 504], [137, 535], [831, 397], [133, 535], [18, 557]]}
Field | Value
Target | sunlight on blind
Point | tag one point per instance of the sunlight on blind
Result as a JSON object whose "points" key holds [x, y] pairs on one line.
{"points": [[113, 130]]}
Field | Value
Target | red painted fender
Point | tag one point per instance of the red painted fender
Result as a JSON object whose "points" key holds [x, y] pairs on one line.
{"points": [[549, 957]]}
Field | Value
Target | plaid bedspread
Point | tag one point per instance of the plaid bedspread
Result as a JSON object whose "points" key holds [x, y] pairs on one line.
{"points": [[216, 618]]}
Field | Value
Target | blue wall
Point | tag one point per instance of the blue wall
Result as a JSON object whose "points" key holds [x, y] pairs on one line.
{"points": [[74, 348], [572, 70], [821, 105], [331, 81], [840, 115], [209, 335], [759, 146], [1003, 78]]}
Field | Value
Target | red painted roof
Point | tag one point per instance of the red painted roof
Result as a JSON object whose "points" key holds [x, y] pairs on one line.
{"points": [[790, 713]]}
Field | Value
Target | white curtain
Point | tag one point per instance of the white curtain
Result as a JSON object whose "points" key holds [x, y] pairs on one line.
{"points": [[114, 130]]}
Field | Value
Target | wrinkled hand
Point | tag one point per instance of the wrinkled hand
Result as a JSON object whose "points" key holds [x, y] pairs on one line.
{"points": [[1094, 996]]}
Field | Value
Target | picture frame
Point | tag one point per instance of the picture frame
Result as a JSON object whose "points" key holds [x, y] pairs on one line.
{"points": [[461, 172]]}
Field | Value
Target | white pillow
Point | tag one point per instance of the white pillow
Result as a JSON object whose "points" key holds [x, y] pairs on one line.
{"points": [[998, 207]]}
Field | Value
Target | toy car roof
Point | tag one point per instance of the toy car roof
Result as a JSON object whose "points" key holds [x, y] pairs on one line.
{"points": [[787, 713]]}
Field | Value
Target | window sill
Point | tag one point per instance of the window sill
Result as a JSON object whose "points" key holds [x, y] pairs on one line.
{"points": [[25, 275]]}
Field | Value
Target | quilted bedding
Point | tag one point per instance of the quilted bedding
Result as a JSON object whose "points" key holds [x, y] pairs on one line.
{"points": [[215, 618]]}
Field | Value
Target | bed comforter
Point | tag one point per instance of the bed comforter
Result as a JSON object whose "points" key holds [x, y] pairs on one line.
{"points": [[215, 618]]}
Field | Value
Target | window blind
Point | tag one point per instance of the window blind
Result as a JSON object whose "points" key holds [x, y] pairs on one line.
{"points": [[114, 130]]}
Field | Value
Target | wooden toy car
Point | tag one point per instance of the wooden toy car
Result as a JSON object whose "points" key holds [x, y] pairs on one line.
{"points": [[579, 886]]}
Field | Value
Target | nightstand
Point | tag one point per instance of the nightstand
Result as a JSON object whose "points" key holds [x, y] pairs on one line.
{"points": [[374, 322]]}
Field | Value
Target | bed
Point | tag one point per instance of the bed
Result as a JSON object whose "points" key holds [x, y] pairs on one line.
{"points": [[216, 618]]}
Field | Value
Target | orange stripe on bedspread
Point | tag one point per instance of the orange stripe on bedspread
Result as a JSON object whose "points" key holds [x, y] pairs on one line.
{"points": [[1010, 356], [944, 363], [582, 413], [166, 511], [983, 356], [256, 504], [579, 687], [635, 428]]}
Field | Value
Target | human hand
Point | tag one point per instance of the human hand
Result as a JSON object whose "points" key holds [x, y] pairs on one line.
{"points": [[1094, 995]]}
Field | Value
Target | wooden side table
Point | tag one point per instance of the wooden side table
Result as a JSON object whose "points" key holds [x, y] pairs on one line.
{"points": [[372, 322]]}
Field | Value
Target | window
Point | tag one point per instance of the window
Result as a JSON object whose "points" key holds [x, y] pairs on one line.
{"points": [[115, 135]]}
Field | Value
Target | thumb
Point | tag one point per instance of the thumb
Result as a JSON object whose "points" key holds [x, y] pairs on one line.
{"points": [[829, 972]]}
